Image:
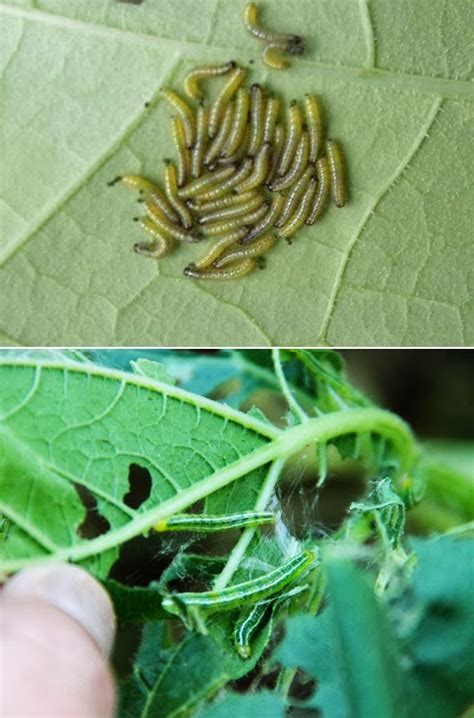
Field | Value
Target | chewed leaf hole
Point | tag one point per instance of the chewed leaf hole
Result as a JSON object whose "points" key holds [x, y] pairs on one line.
{"points": [[139, 480], [94, 523]]}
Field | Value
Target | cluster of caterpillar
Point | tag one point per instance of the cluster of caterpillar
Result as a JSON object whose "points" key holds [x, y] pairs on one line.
{"points": [[242, 175], [275, 43]]}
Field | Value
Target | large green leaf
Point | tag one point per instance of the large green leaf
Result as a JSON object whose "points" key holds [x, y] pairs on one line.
{"points": [[391, 268], [70, 432]]}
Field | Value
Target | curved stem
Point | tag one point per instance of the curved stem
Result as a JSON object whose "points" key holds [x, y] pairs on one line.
{"points": [[285, 388]]}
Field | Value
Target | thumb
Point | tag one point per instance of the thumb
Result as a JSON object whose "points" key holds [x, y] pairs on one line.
{"points": [[56, 631]]}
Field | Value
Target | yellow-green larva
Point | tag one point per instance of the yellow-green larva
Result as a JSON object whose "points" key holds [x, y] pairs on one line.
{"points": [[239, 124], [251, 201], [336, 168], [255, 249], [204, 72], [272, 110], [314, 123], [202, 185], [260, 170], [184, 111], [233, 271], [161, 245], [297, 167], [273, 58], [220, 246], [293, 197], [252, 24], [207, 523], [232, 200], [200, 145], [257, 118], [277, 149], [167, 227], [323, 192], [227, 185], [302, 211], [267, 221], [218, 106], [171, 190], [293, 137], [153, 192], [217, 143], [224, 227], [183, 161], [240, 152]]}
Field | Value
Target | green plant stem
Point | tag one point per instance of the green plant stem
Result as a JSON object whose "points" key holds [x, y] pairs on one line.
{"points": [[285, 388], [238, 552], [286, 443]]}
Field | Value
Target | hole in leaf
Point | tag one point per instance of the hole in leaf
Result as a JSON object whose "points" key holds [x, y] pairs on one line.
{"points": [[139, 480], [94, 523]]}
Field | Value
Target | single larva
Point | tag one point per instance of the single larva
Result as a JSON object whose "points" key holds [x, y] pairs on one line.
{"points": [[314, 123], [228, 184], [252, 24], [297, 167], [204, 72], [208, 524], [260, 170], [217, 144], [267, 222], [239, 125], [257, 119], [154, 193], [202, 184], [197, 155], [161, 245], [246, 627], [336, 168], [167, 227], [302, 211], [273, 58], [217, 249], [248, 624], [255, 249], [293, 197], [183, 161], [224, 227], [184, 111], [252, 200], [293, 137], [240, 152], [272, 110], [234, 271], [218, 106], [244, 593], [171, 190], [277, 149], [323, 191], [232, 200]]}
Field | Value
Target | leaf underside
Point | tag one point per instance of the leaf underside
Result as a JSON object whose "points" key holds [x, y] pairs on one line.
{"points": [[390, 268]]}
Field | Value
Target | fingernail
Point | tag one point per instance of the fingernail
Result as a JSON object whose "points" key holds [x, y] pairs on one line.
{"points": [[73, 591]]}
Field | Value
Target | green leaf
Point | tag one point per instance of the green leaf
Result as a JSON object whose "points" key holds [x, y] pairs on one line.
{"points": [[72, 431], [349, 649], [263, 705], [176, 679], [443, 635], [390, 268]]}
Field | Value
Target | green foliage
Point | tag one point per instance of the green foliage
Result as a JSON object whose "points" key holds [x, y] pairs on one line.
{"points": [[389, 269], [78, 430]]}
